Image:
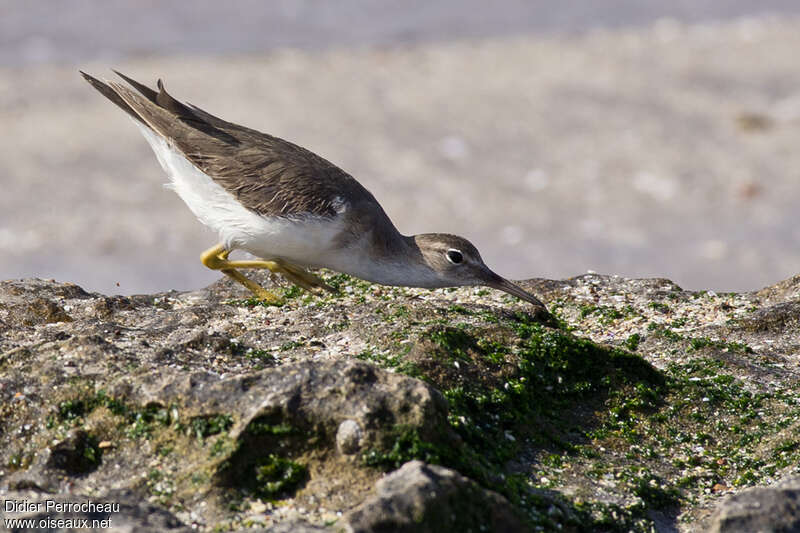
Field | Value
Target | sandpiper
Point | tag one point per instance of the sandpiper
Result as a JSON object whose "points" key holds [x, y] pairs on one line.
{"points": [[288, 206]]}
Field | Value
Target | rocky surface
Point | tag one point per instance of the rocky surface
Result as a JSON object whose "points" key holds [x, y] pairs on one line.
{"points": [[642, 407], [775, 508], [427, 499]]}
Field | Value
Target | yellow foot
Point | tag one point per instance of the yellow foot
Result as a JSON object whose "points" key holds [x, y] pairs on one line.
{"points": [[260, 292], [216, 258]]}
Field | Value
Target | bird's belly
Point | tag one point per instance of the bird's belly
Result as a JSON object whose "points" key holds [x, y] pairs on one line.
{"points": [[306, 242]]}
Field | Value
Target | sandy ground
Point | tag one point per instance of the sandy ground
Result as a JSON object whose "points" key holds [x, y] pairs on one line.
{"points": [[669, 150]]}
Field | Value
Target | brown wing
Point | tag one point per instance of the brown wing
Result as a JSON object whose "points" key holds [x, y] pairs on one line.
{"points": [[268, 175]]}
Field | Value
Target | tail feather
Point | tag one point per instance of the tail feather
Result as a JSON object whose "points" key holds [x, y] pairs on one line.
{"points": [[146, 91], [107, 91], [161, 98], [154, 102]]}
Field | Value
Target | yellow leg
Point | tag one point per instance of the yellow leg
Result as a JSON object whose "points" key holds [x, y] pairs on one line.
{"points": [[216, 258], [260, 292], [295, 274]]}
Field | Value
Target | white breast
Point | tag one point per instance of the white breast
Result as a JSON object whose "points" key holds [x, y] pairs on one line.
{"points": [[301, 241]]}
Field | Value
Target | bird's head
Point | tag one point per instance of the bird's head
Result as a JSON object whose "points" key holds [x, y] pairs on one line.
{"points": [[456, 262]]}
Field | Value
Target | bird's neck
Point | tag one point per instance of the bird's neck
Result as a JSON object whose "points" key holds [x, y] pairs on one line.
{"points": [[400, 262]]}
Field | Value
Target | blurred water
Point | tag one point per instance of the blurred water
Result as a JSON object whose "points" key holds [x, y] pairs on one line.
{"points": [[630, 163], [74, 31]]}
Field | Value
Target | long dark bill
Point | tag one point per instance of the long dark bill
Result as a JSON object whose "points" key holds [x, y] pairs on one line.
{"points": [[504, 285]]}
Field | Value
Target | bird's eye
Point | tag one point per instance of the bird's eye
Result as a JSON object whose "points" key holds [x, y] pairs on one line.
{"points": [[454, 256]]}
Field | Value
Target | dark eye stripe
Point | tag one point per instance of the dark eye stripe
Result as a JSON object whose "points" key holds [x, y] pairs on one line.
{"points": [[454, 256]]}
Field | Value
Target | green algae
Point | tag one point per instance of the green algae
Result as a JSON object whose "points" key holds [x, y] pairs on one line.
{"points": [[276, 476], [516, 388], [207, 425], [263, 459]]}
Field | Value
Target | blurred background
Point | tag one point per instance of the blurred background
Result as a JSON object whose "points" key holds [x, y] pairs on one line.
{"points": [[633, 137]]}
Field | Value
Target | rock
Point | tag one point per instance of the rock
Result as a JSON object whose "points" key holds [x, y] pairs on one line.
{"points": [[295, 527], [773, 318], [761, 509], [349, 437], [422, 498], [221, 412], [75, 455], [295, 411], [78, 454], [783, 291], [34, 302]]}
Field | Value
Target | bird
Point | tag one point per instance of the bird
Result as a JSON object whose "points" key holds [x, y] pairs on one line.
{"points": [[288, 207]]}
